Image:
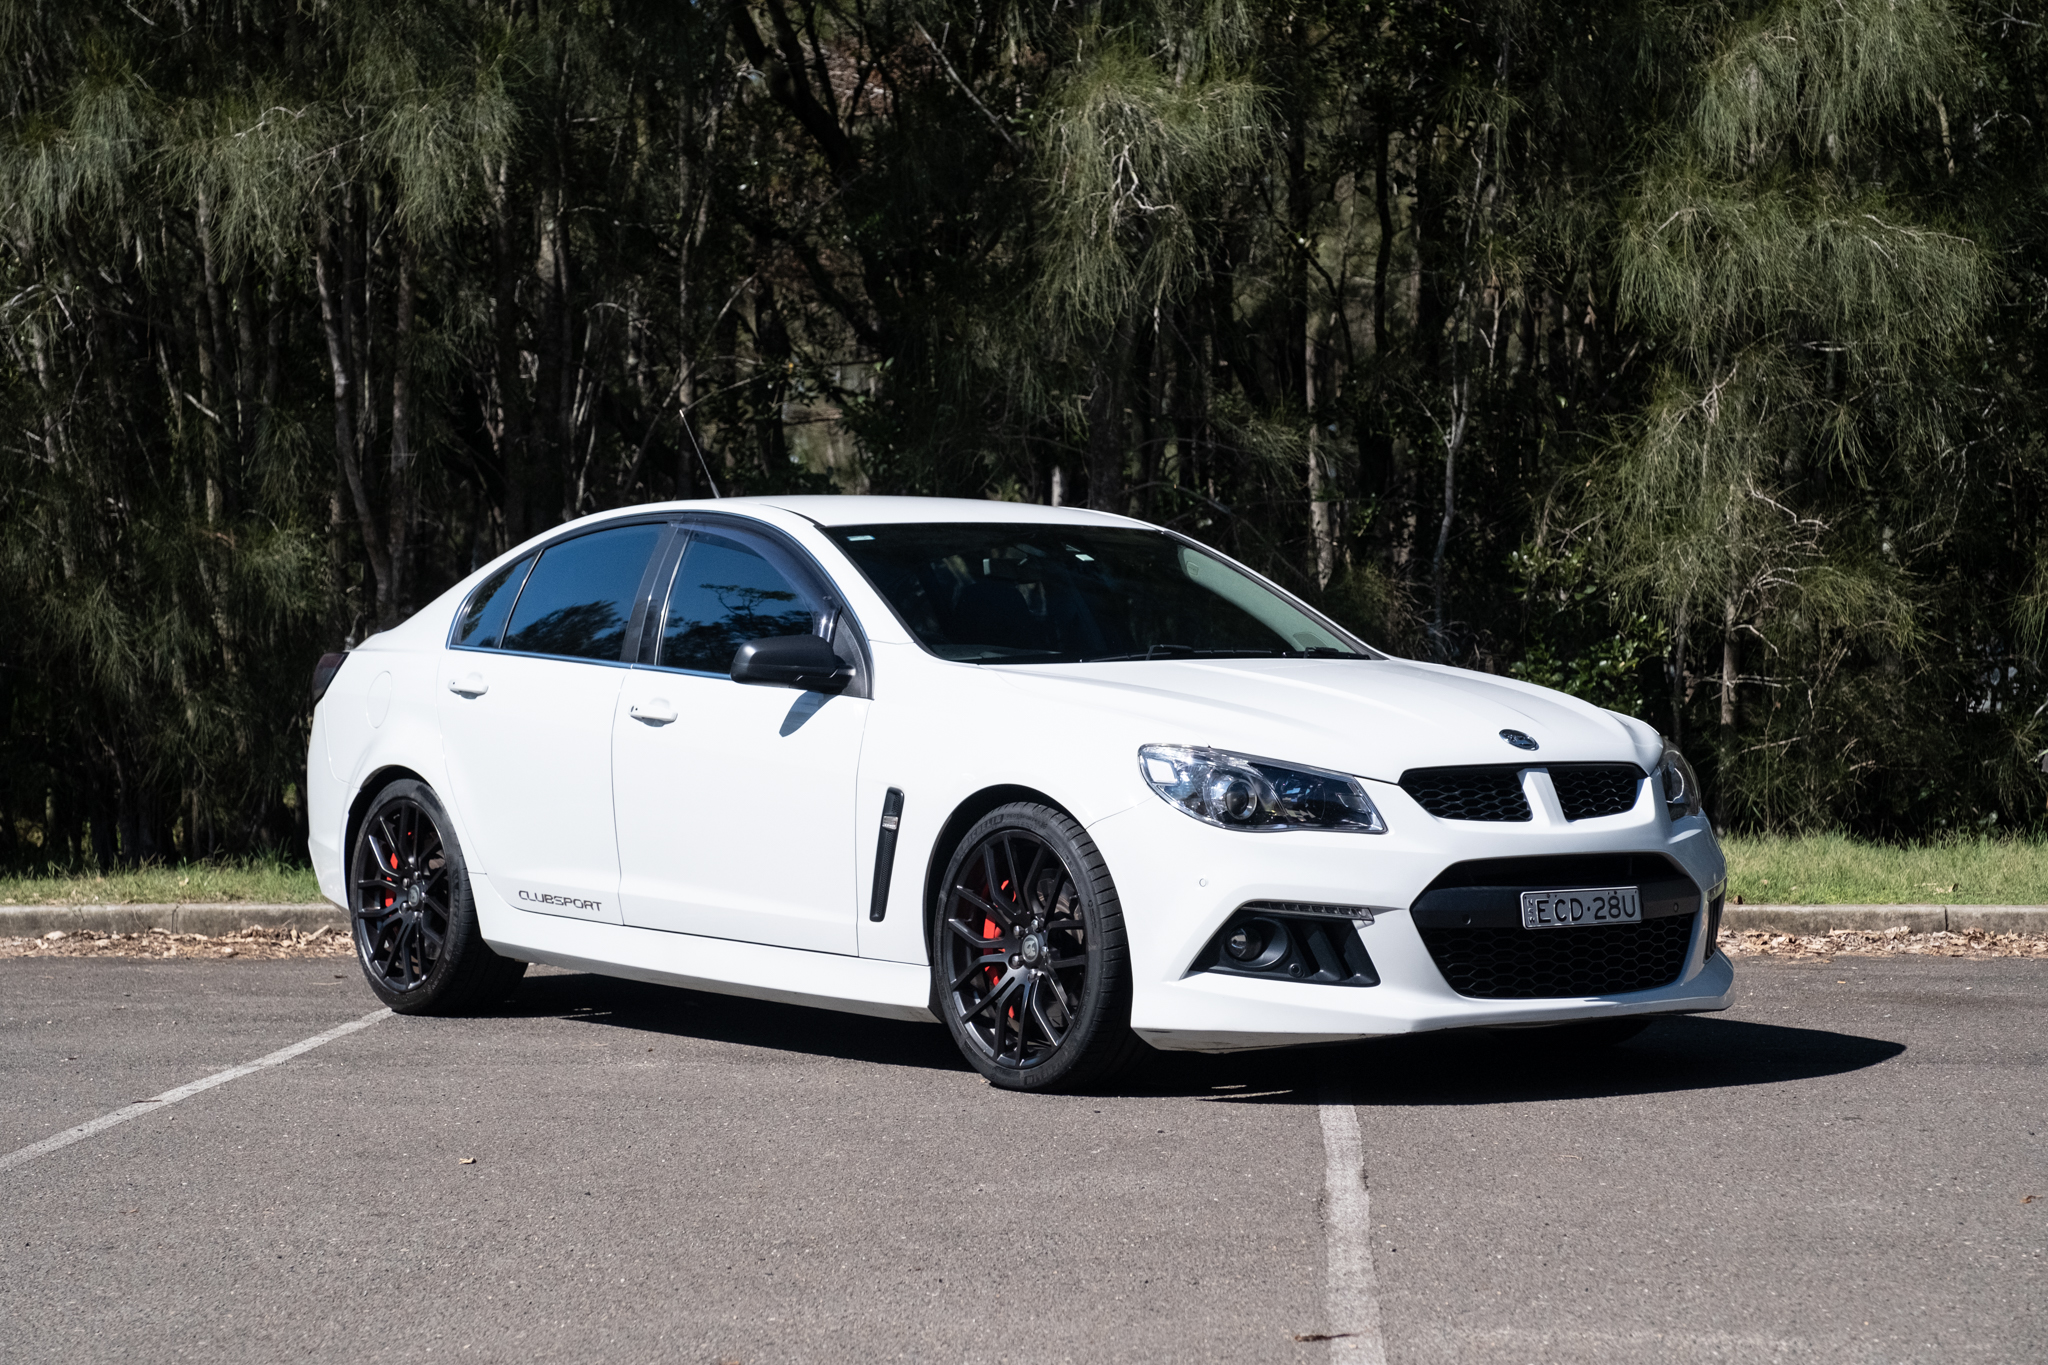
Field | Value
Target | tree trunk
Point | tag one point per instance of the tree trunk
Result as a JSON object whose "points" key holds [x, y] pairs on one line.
{"points": [[1728, 671], [1108, 434], [333, 325], [400, 491]]}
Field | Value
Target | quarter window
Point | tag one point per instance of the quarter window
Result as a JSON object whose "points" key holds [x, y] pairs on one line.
{"points": [[483, 616], [726, 594], [579, 598]]}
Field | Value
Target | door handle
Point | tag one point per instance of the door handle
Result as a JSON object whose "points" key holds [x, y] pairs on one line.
{"points": [[657, 711], [471, 686]]}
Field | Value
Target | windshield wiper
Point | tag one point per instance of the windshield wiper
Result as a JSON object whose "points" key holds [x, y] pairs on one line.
{"points": [[1184, 652]]}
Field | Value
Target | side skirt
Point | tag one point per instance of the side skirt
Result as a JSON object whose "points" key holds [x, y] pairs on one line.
{"points": [[790, 976]]}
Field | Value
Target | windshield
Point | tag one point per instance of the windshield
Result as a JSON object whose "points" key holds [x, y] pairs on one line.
{"points": [[1020, 594]]}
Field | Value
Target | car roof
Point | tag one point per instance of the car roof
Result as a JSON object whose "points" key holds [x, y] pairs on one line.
{"points": [[857, 510]]}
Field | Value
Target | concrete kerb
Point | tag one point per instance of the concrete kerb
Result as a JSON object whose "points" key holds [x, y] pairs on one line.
{"points": [[23, 921], [33, 921], [2031, 920]]}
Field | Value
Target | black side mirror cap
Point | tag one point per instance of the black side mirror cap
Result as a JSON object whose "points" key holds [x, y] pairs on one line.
{"points": [[802, 661]]}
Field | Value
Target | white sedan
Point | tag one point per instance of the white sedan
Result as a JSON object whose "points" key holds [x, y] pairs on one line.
{"points": [[1064, 781]]}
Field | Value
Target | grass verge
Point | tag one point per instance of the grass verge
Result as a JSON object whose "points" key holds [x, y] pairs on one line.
{"points": [[262, 881], [1819, 869], [1832, 869]]}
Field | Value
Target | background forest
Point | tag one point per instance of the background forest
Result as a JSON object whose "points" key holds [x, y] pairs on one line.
{"points": [[1686, 356]]}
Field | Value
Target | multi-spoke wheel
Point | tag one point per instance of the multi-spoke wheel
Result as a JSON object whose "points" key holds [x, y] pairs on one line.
{"points": [[1028, 953], [415, 924]]}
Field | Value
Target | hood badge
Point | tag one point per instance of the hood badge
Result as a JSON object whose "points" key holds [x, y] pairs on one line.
{"points": [[1518, 739]]}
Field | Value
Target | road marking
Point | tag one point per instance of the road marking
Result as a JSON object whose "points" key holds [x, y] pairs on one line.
{"points": [[1351, 1296], [185, 1092]]}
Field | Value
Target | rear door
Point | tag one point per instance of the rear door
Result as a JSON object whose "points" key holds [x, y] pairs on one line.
{"points": [[735, 802], [528, 690]]}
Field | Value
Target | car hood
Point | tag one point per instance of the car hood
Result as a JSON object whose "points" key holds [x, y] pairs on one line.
{"points": [[1376, 718]]}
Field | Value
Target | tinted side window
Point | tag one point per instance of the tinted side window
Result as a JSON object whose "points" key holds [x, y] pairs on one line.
{"points": [[580, 596], [726, 594], [483, 616]]}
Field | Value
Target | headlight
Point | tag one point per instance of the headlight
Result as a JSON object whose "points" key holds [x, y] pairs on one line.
{"points": [[1680, 783], [1233, 791]]}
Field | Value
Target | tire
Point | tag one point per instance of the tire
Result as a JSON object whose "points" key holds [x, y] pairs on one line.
{"points": [[1030, 968], [411, 911]]}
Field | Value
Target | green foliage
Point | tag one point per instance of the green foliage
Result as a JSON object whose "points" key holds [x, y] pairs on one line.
{"points": [[1683, 356]]}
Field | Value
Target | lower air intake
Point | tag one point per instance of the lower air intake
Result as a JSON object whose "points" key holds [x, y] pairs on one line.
{"points": [[1470, 919], [1536, 964]]}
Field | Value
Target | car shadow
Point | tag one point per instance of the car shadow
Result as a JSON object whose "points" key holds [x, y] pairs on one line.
{"points": [[1476, 1066], [613, 1002], [1451, 1068]]}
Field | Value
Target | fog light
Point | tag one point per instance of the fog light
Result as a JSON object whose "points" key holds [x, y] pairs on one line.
{"points": [[1244, 943]]}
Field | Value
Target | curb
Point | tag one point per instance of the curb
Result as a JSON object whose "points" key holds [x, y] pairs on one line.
{"points": [[2031, 920], [31, 921], [23, 921]]}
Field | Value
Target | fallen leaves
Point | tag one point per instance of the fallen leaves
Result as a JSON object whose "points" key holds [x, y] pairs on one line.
{"points": [[253, 943], [1895, 942]]}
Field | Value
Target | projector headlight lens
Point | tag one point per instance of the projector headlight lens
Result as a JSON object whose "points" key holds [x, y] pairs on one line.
{"points": [[1236, 791]]}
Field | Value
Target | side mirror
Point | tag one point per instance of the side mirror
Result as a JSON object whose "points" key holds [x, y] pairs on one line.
{"points": [[804, 661]]}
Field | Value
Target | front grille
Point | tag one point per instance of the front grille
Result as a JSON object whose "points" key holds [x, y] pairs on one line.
{"points": [[1468, 793], [1535, 964], [1588, 791]]}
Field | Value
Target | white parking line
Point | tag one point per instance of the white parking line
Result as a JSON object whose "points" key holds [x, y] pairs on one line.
{"points": [[1351, 1296], [183, 1092]]}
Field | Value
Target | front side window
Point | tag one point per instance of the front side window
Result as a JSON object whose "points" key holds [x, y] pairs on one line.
{"points": [[579, 597], [725, 594], [482, 621], [1023, 594]]}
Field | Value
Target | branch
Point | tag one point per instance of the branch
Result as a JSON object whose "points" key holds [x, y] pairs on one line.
{"points": [[975, 100]]}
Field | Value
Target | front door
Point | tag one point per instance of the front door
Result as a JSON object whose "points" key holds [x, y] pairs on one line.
{"points": [[527, 694], [735, 802]]}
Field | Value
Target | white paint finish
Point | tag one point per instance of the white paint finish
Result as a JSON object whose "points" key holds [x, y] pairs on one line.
{"points": [[529, 766], [888, 990], [377, 704], [736, 819], [185, 1092], [1351, 1288]]}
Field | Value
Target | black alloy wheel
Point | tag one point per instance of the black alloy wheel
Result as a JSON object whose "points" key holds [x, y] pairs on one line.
{"points": [[1029, 963], [414, 920]]}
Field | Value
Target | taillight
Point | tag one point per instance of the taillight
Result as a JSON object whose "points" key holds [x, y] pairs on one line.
{"points": [[323, 673]]}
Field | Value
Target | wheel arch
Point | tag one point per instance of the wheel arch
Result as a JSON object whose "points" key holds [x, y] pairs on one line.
{"points": [[955, 829], [359, 804]]}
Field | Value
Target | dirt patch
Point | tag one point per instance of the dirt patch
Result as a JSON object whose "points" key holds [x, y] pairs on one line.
{"points": [[251, 944], [1970, 943]]}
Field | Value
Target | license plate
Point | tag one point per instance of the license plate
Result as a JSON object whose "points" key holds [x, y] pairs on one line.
{"points": [[1576, 909]]}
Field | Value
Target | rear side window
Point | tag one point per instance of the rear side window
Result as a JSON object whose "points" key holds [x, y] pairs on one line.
{"points": [[726, 594], [579, 598], [483, 616]]}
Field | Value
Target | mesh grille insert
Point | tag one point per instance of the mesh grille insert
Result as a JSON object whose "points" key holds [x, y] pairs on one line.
{"points": [[1534, 964], [1468, 793], [1592, 790]]}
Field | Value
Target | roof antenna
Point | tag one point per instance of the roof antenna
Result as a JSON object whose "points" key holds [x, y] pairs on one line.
{"points": [[702, 463]]}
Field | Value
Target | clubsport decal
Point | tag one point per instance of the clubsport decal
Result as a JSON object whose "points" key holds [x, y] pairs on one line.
{"points": [[573, 902]]}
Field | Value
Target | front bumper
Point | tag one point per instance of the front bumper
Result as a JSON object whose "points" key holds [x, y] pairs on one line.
{"points": [[1180, 880]]}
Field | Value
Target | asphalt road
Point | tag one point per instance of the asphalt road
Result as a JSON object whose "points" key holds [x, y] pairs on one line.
{"points": [[1833, 1171]]}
